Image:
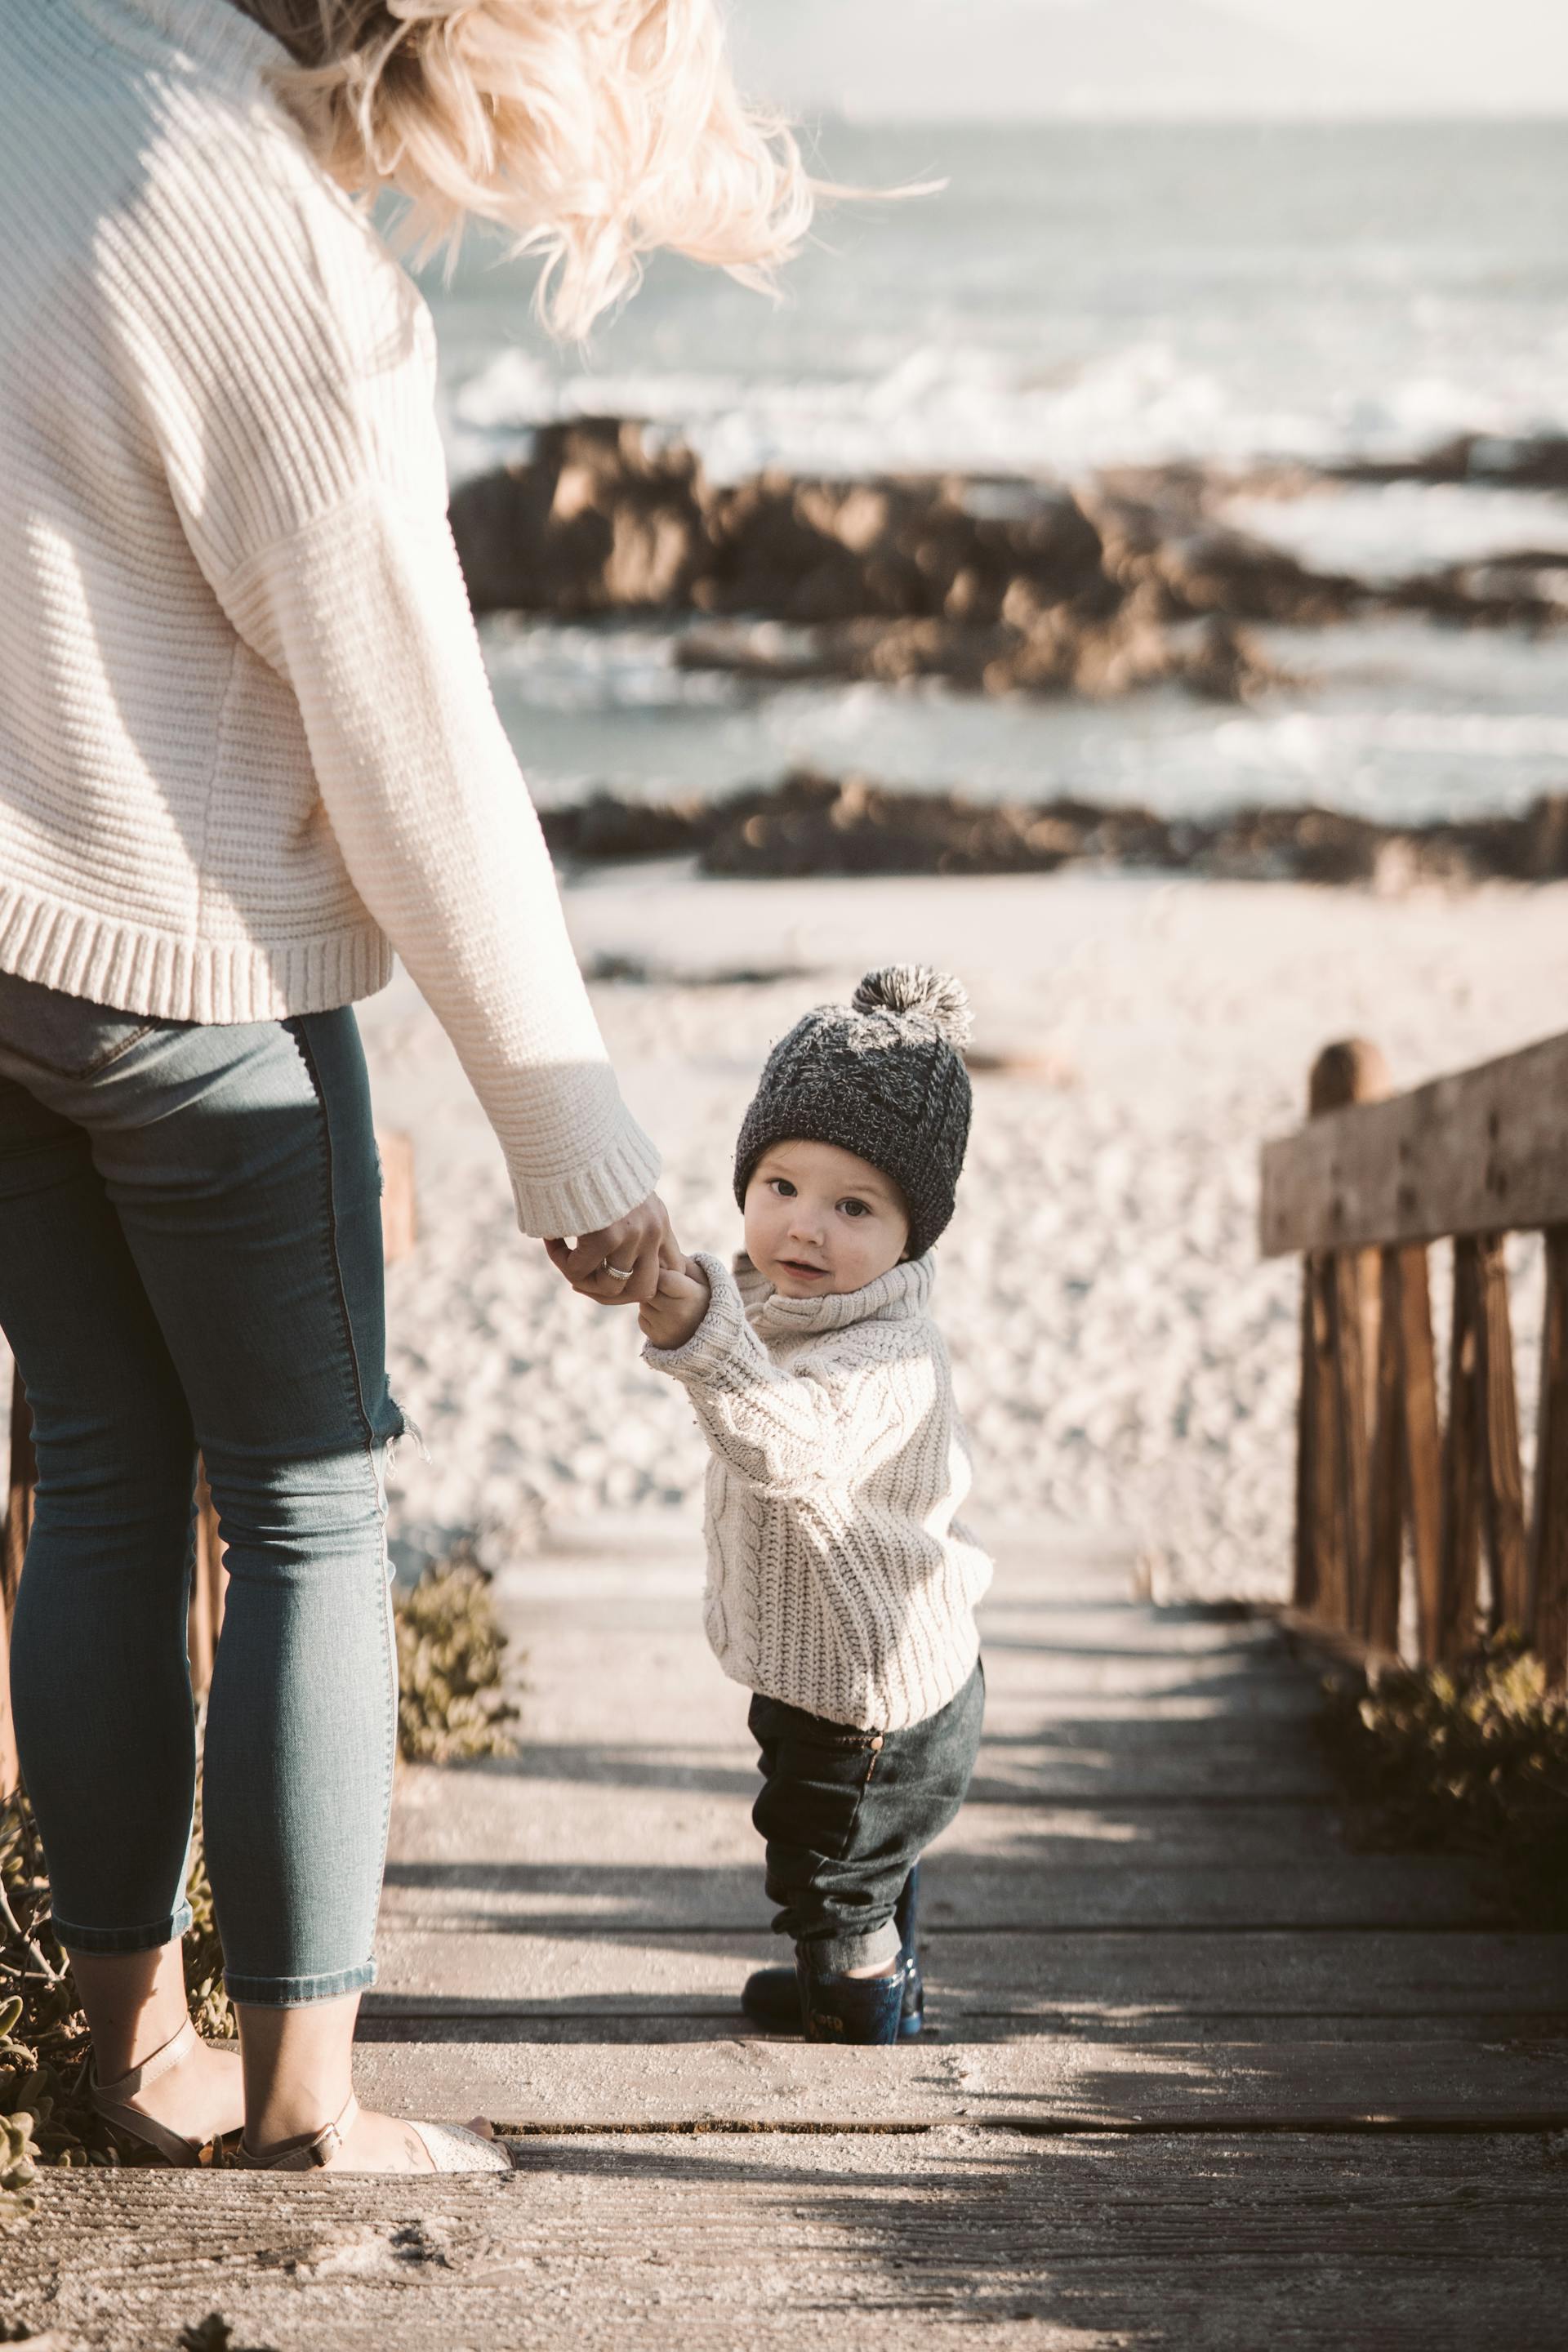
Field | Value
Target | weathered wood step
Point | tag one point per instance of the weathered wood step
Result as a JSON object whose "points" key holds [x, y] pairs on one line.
{"points": [[1049, 2085]]}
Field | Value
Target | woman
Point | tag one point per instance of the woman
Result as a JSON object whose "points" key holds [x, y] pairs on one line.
{"points": [[247, 751]]}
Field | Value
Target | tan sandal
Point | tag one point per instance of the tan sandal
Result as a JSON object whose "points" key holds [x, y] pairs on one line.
{"points": [[452, 2148], [110, 2100]]}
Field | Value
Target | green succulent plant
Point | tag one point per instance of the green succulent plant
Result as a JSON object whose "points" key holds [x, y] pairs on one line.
{"points": [[1468, 1757]]}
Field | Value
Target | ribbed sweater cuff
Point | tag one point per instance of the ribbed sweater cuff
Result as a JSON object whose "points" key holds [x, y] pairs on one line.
{"points": [[618, 1179], [716, 1346]]}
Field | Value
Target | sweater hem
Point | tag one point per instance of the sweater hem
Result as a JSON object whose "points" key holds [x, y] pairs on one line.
{"points": [[618, 1181], [163, 977], [889, 1716]]}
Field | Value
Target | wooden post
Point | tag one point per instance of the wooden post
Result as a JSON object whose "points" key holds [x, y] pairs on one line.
{"points": [[21, 1479], [1340, 1313], [1462, 1472], [13, 1533], [208, 1580], [1423, 1442], [1389, 1468], [1550, 1548], [1496, 1426]]}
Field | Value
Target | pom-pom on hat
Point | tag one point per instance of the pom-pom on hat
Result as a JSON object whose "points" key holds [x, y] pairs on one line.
{"points": [[883, 1078]]}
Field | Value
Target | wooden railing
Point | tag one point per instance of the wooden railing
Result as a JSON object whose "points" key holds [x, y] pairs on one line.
{"points": [[208, 1574], [1384, 1479]]}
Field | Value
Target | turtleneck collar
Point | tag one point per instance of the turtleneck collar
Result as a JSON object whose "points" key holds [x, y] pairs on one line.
{"points": [[211, 33], [895, 1296]]}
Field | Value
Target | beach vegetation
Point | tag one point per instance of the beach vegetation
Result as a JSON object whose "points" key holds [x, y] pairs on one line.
{"points": [[1468, 1757]]}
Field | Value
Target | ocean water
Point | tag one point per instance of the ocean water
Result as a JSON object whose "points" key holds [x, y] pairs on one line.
{"points": [[1076, 296]]}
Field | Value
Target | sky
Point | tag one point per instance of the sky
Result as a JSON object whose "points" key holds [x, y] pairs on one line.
{"points": [[1027, 58]]}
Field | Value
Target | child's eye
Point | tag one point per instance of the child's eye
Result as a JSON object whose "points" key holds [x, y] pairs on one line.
{"points": [[855, 1208], [782, 1187]]}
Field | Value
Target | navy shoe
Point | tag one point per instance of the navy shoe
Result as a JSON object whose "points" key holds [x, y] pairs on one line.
{"points": [[836, 2008], [771, 1997]]}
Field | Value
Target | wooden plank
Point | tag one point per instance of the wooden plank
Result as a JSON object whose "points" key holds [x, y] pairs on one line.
{"points": [[1550, 1552], [780, 2242], [963, 1890], [1482, 1151], [1497, 1415], [1390, 1479], [1348, 1341], [1422, 1441], [1339, 1312], [1041, 1981], [1461, 1462], [1319, 1566], [1058, 2083]]}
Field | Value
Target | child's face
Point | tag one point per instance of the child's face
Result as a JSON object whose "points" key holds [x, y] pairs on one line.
{"points": [[819, 1222]]}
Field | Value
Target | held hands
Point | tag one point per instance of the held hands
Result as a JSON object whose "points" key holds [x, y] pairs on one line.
{"points": [[620, 1265], [672, 1316]]}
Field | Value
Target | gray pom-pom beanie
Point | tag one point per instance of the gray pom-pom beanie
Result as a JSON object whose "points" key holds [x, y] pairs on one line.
{"points": [[883, 1078]]}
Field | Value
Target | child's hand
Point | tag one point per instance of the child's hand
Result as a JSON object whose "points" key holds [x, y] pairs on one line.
{"points": [[671, 1316]]}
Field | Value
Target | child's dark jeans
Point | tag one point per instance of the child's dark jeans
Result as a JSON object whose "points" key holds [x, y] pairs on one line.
{"points": [[847, 1815]]}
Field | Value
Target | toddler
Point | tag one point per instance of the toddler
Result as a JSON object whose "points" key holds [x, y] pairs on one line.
{"points": [[841, 1590]]}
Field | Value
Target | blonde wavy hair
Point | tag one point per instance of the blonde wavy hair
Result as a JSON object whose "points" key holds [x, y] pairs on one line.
{"points": [[592, 132]]}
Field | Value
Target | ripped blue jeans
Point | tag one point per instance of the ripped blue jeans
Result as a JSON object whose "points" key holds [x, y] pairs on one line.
{"points": [[190, 1256]]}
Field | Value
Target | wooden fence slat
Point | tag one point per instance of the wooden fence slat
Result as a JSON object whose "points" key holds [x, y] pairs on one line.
{"points": [[1462, 1470], [1351, 1400], [1423, 1444], [1339, 1310], [1480, 1152], [1550, 1549], [1497, 1417], [1321, 1582], [1389, 1475]]}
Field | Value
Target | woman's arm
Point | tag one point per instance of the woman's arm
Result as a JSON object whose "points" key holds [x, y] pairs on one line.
{"points": [[287, 376], [364, 612]]}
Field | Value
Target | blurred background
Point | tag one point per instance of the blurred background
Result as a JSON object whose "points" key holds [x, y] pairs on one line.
{"points": [[1133, 573]]}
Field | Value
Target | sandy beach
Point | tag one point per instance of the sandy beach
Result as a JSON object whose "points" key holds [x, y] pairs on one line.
{"points": [[1123, 1359]]}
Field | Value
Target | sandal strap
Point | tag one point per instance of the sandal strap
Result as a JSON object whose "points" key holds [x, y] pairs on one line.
{"points": [[163, 2061], [309, 2152]]}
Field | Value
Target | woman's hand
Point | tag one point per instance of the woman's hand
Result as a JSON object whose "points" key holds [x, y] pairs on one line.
{"points": [[673, 1315], [619, 1266]]}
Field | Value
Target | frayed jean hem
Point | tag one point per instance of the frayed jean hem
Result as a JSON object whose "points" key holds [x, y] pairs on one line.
{"points": [[838, 1956], [297, 1992], [98, 1943]]}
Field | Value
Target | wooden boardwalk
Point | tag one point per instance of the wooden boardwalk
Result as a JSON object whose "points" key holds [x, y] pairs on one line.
{"points": [[1199, 2076]]}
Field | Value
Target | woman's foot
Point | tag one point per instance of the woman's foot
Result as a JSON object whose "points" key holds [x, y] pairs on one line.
{"points": [[361, 2140], [202, 2099]]}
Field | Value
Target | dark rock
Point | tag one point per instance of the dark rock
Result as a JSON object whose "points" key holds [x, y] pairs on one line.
{"points": [[813, 824]]}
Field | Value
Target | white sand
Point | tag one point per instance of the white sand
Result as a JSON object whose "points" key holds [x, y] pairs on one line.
{"points": [[1122, 1355]]}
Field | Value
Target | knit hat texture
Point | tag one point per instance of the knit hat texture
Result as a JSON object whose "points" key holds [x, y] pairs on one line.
{"points": [[883, 1078]]}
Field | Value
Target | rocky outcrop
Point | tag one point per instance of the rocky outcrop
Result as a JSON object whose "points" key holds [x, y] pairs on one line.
{"points": [[995, 586], [813, 825]]}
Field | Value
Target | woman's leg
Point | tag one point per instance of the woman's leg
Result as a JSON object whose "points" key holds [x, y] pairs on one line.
{"points": [[100, 1688], [240, 1166]]}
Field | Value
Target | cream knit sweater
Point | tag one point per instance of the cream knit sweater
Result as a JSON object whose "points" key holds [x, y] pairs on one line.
{"points": [[838, 1579], [246, 744]]}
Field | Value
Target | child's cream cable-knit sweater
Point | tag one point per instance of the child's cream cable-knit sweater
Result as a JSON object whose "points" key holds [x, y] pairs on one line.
{"points": [[838, 1580], [247, 743]]}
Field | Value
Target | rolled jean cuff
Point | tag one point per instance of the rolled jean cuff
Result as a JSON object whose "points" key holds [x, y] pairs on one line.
{"points": [[296, 1992], [838, 1956], [99, 1942]]}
